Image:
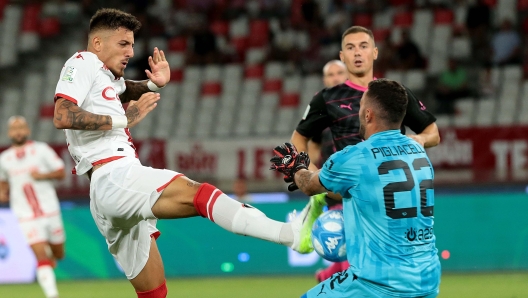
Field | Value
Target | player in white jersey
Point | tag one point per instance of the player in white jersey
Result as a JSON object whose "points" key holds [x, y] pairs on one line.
{"points": [[126, 197], [27, 171]]}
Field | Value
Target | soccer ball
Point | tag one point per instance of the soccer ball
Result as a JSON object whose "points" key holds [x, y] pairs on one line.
{"points": [[328, 236]]}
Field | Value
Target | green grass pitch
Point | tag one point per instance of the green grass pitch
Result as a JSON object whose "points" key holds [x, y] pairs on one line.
{"points": [[492, 285]]}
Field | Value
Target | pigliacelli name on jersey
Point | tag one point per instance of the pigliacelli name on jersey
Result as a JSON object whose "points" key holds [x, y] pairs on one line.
{"points": [[406, 149]]}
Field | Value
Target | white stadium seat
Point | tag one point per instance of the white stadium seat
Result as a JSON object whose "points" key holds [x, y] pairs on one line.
{"points": [[508, 103], [461, 47], [523, 109], [166, 111], [414, 79], [10, 31], [266, 111], [465, 112], [274, 70], [485, 112], [505, 9]]}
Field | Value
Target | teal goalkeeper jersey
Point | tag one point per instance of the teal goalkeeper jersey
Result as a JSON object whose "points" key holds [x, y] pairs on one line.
{"points": [[388, 200]]}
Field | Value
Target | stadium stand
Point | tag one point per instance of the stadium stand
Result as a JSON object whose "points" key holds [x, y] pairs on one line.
{"points": [[269, 65]]}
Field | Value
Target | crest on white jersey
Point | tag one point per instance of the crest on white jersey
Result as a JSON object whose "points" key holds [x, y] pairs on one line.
{"points": [[69, 74]]}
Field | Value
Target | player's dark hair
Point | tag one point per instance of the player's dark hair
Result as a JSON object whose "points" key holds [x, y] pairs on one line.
{"points": [[113, 19], [390, 99], [357, 29]]}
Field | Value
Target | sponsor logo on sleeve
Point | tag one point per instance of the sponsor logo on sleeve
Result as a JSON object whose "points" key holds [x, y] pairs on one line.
{"points": [[69, 74]]}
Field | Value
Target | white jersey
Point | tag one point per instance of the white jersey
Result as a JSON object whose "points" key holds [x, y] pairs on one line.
{"points": [[87, 82], [30, 198]]}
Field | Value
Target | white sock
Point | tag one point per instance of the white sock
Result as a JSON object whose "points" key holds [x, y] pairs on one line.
{"points": [[246, 220], [46, 280]]}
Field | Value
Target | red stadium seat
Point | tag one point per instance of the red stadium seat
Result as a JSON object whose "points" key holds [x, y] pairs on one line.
{"points": [[380, 34], [296, 16], [255, 71], [181, 4], [47, 110], [3, 4], [273, 85], [443, 16], [379, 74], [400, 2], [522, 5], [490, 3], [176, 75], [30, 18], [178, 44], [403, 19], [258, 33], [211, 88], [240, 44], [220, 27], [289, 100], [363, 19], [49, 27], [525, 70]]}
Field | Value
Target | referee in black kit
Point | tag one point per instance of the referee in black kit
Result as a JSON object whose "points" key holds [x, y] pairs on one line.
{"points": [[337, 108]]}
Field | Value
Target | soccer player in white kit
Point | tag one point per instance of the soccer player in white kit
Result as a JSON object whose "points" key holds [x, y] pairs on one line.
{"points": [[126, 197], [27, 171]]}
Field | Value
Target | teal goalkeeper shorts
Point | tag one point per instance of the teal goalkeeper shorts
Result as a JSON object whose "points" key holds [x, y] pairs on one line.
{"points": [[346, 285]]}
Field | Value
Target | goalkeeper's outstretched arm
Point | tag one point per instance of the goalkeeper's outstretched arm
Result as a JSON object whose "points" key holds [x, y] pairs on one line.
{"points": [[308, 182]]}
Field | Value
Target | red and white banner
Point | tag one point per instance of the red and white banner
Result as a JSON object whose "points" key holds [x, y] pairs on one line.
{"points": [[465, 155], [484, 154]]}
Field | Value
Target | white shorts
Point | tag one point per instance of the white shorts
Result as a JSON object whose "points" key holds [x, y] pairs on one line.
{"points": [[44, 229], [122, 194]]}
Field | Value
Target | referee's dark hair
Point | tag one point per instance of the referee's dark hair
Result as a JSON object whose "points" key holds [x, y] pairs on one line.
{"points": [[113, 19], [357, 29], [390, 99]]}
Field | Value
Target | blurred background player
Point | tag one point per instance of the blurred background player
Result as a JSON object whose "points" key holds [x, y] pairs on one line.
{"points": [[27, 171], [387, 257], [320, 147]]}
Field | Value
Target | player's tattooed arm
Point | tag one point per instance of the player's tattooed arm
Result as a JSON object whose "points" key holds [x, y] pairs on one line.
{"points": [[134, 90], [308, 182], [68, 115]]}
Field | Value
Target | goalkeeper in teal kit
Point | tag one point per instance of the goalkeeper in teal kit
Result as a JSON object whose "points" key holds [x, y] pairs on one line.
{"points": [[388, 201]]}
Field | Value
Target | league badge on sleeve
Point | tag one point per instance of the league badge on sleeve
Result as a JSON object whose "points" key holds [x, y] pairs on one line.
{"points": [[69, 74]]}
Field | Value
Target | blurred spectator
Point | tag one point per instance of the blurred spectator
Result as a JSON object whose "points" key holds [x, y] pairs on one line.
{"points": [[408, 53], [338, 20], [478, 16], [240, 191], [386, 55], [452, 85], [478, 20], [506, 45], [310, 12], [204, 49]]}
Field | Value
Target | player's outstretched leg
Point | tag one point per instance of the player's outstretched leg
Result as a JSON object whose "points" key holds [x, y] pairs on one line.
{"points": [[185, 198]]}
